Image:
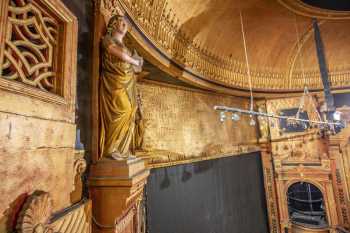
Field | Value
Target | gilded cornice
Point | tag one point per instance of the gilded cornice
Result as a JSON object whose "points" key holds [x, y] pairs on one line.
{"points": [[161, 27]]}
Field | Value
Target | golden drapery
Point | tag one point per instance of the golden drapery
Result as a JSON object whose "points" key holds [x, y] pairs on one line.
{"points": [[121, 126]]}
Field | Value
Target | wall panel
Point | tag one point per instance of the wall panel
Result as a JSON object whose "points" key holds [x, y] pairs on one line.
{"points": [[37, 104], [181, 124]]}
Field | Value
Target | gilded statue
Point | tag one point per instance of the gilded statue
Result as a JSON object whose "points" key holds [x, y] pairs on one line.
{"points": [[120, 115]]}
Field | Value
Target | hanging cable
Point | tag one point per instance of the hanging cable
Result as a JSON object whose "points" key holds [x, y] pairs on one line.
{"points": [[302, 99], [223, 109], [299, 51], [247, 63]]}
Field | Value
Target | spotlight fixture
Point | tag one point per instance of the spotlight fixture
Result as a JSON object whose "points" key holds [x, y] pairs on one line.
{"points": [[222, 117], [337, 116], [304, 125], [235, 117], [252, 121]]}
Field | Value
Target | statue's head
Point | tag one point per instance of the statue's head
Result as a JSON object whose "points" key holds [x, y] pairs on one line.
{"points": [[117, 24]]}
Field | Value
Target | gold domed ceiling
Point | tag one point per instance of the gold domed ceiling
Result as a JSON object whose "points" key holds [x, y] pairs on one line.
{"points": [[270, 33], [204, 37]]}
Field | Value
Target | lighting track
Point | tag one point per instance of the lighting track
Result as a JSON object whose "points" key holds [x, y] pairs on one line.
{"points": [[224, 109]]}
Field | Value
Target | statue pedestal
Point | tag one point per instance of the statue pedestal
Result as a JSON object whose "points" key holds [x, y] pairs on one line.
{"points": [[116, 188]]}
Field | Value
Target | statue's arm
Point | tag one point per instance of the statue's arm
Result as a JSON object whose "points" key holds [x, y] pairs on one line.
{"points": [[122, 55]]}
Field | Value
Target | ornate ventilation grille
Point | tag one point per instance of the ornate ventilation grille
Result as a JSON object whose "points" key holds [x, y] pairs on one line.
{"points": [[31, 52]]}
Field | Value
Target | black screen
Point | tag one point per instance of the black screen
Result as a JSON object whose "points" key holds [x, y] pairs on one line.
{"points": [[215, 196]]}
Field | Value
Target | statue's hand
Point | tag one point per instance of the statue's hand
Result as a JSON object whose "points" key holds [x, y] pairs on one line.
{"points": [[138, 68], [141, 62]]}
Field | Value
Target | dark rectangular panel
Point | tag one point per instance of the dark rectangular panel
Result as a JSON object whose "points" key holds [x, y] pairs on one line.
{"points": [[341, 100], [215, 196], [288, 126]]}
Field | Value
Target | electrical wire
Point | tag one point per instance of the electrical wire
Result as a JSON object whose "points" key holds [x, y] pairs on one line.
{"points": [[247, 63]]}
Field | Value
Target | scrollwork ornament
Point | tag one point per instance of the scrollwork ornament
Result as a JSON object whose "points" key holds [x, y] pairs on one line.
{"points": [[79, 166], [35, 214], [125, 220]]}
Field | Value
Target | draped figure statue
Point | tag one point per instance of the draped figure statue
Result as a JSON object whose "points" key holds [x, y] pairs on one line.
{"points": [[120, 117]]}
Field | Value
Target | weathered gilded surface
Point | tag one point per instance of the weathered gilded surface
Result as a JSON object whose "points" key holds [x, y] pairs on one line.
{"points": [[34, 107], [45, 169], [276, 105], [37, 105], [182, 124], [26, 133]]}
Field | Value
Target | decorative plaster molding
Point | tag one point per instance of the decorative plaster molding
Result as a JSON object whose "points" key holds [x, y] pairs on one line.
{"points": [[36, 57], [79, 168], [76, 220], [164, 158], [125, 220], [36, 216]]}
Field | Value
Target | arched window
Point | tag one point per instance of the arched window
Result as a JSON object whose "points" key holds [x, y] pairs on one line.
{"points": [[306, 205]]}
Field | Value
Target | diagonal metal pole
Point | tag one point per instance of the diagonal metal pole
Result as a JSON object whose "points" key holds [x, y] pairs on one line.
{"points": [[323, 70]]}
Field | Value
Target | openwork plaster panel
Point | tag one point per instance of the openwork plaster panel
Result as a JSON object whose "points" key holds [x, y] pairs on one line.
{"points": [[182, 124], [38, 42], [31, 46]]}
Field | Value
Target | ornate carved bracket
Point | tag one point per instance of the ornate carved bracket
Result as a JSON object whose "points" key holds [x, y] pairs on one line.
{"points": [[78, 171]]}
